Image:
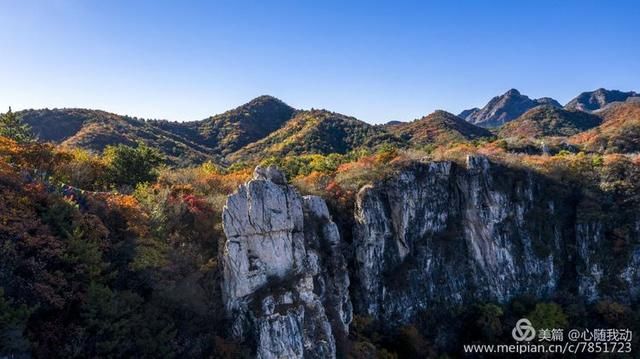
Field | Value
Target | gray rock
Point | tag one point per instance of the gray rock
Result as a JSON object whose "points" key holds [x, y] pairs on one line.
{"points": [[437, 234], [504, 108], [598, 99], [285, 283]]}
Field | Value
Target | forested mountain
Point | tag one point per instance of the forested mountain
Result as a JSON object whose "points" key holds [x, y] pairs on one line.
{"points": [[230, 131], [317, 131], [439, 127], [619, 132], [94, 130], [544, 121], [276, 232]]}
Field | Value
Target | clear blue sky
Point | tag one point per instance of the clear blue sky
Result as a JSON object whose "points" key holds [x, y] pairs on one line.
{"points": [[378, 61]]}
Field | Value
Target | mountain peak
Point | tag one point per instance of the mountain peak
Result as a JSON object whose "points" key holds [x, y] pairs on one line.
{"points": [[441, 113], [254, 120], [263, 101], [438, 127], [512, 92], [266, 98], [316, 131], [504, 108], [597, 99]]}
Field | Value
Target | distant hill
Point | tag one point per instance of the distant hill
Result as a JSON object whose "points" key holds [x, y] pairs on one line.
{"points": [[228, 132], [94, 130], [504, 108], [544, 121], [317, 131], [619, 131], [598, 99], [266, 126], [181, 142], [438, 127]]}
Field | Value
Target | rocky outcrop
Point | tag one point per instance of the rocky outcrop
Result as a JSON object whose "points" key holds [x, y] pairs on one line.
{"points": [[432, 235], [439, 234], [504, 108], [598, 99], [285, 282]]}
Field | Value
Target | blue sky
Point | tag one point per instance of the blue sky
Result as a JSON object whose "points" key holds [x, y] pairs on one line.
{"points": [[378, 61]]}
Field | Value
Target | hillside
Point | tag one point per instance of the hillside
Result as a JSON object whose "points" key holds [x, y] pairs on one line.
{"points": [[543, 121], [598, 99], [231, 130], [619, 132], [316, 131], [439, 127], [183, 143], [150, 270], [94, 130], [504, 108]]}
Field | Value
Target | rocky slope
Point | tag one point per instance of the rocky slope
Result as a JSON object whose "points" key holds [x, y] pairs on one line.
{"points": [[504, 108], [285, 283], [598, 99]]}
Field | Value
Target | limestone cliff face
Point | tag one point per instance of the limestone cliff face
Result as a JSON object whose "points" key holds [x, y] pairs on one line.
{"points": [[285, 282], [439, 233], [433, 234]]}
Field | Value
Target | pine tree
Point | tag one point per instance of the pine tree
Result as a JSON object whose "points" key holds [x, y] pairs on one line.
{"points": [[11, 126]]}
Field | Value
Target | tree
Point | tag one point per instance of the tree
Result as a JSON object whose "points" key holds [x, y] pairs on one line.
{"points": [[548, 315], [13, 321], [11, 126], [128, 166], [489, 320], [121, 324]]}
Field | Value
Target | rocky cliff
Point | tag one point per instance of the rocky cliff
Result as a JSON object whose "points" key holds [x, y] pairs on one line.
{"points": [[440, 234], [285, 283], [433, 234]]}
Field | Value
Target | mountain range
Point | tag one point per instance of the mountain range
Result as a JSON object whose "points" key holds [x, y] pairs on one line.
{"points": [[267, 126]]}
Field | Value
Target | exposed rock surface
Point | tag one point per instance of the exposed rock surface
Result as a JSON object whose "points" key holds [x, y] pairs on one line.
{"points": [[434, 234], [285, 282], [439, 234], [504, 108], [598, 99]]}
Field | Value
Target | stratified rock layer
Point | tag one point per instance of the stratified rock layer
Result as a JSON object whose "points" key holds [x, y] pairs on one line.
{"points": [[285, 282]]}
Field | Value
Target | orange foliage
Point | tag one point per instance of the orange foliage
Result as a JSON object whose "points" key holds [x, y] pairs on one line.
{"points": [[127, 205], [226, 183]]}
